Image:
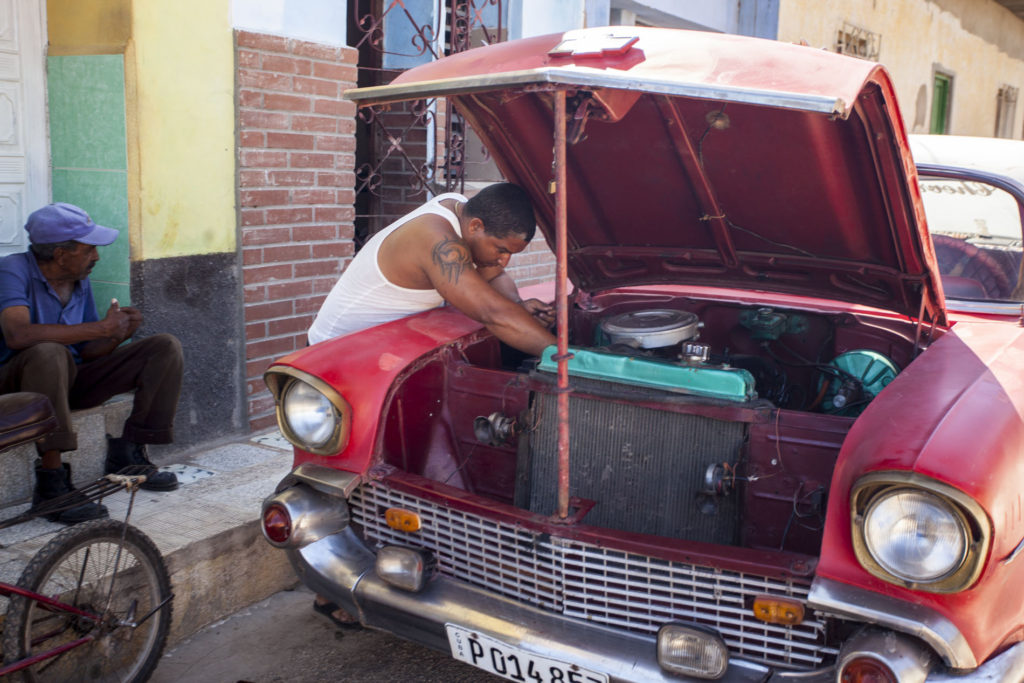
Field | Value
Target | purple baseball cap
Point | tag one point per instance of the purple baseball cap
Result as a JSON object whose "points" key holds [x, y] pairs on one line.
{"points": [[61, 222]]}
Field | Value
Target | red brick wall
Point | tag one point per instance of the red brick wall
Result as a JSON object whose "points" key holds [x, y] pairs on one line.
{"points": [[533, 265], [296, 152]]}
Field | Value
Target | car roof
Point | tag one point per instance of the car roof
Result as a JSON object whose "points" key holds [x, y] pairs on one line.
{"points": [[995, 155]]}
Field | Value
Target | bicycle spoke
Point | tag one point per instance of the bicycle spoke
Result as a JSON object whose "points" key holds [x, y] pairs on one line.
{"points": [[43, 637], [44, 667], [85, 563]]}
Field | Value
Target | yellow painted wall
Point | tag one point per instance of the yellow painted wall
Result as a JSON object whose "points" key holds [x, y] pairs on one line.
{"points": [[978, 41], [179, 68], [179, 80]]}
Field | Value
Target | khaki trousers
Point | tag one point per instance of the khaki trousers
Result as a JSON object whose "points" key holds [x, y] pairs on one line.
{"points": [[151, 367]]}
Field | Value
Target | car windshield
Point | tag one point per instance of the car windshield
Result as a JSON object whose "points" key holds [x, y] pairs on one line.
{"points": [[975, 226], [977, 233]]}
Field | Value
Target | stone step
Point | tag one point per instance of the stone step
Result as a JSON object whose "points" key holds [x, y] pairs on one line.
{"points": [[17, 466]]}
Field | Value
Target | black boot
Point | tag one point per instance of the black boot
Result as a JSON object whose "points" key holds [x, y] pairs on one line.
{"points": [[52, 484], [128, 457]]}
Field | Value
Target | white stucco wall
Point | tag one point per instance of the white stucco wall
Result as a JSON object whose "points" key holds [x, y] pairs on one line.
{"points": [[539, 17], [979, 42], [318, 21], [706, 15]]}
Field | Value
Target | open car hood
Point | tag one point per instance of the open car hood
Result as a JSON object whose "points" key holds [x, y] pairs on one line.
{"points": [[700, 158]]}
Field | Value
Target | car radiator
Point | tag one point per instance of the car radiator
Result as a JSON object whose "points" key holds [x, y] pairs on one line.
{"points": [[645, 469]]}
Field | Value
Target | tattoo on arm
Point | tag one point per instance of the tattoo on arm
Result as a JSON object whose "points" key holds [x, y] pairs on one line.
{"points": [[452, 257]]}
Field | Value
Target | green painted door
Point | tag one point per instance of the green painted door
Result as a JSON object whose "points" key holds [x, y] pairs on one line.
{"points": [[940, 103]]}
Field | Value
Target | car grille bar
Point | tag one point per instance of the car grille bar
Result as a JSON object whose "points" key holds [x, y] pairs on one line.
{"points": [[598, 585]]}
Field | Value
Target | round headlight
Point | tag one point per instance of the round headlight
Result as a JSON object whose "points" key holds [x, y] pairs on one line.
{"points": [[311, 417], [915, 535]]}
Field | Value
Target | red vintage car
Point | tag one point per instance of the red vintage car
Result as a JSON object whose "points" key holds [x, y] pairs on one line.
{"points": [[767, 446]]}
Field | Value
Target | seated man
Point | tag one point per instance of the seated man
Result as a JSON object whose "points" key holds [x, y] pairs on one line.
{"points": [[54, 343], [448, 250]]}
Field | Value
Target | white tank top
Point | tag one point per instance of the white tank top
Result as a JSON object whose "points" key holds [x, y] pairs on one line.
{"points": [[362, 297]]}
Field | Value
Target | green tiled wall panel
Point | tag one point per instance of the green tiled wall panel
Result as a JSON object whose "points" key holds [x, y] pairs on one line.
{"points": [[103, 195], [89, 152], [87, 122], [103, 292]]}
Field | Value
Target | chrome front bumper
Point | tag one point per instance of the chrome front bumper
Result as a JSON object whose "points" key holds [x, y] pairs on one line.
{"points": [[341, 567]]}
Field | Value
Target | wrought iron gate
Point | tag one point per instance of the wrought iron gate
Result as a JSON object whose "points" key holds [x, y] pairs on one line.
{"points": [[406, 153]]}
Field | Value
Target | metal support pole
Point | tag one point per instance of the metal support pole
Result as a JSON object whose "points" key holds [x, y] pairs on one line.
{"points": [[562, 311]]}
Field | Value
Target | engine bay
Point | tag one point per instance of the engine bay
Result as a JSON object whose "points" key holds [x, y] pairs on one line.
{"points": [[795, 360], [730, 414]]}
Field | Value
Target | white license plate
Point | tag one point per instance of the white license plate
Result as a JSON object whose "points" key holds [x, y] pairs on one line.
{"points": [[513, 663]]}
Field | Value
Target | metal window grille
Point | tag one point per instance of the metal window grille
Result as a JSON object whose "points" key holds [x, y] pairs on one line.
{"points": [[407, 152], [1006, 111], [858, 42]]}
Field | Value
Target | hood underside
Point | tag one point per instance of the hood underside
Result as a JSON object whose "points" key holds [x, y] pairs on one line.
{"points": [[698, 158]]}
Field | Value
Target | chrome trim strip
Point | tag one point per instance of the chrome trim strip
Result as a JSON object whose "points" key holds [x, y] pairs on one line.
{"points": [[324, 479], [827, 675], [1013, 555], [596, 79], [862, 605], [1007, 308], [1006, 667]]}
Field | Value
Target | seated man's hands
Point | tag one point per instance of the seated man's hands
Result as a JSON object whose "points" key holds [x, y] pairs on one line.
{"points": [[544, 313], [122, 322], [134, 318]]}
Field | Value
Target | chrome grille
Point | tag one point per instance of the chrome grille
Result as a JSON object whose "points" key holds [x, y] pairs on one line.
{"points": [[601, 585]]}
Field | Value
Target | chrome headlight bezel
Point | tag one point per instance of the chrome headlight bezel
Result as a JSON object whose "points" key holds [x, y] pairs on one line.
{"points": [[282, 380], [971, 518]]}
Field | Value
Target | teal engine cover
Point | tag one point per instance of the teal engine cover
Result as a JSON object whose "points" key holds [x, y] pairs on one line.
{"points": [[730, 384]]}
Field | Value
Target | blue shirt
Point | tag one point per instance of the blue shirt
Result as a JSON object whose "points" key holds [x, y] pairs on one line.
{"points": [[23, 284]]}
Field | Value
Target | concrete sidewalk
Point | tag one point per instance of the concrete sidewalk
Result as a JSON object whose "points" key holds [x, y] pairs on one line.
{"points": [[207, 530]]}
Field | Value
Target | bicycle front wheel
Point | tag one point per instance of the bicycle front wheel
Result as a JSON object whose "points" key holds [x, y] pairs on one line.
{"points": [[88, 566]]}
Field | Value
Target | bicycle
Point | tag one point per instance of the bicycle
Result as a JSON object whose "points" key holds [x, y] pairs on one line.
{"points": [[95, 602]]}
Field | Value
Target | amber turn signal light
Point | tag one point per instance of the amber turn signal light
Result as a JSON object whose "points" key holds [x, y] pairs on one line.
{"points": [[774, 610], [402, 520]]}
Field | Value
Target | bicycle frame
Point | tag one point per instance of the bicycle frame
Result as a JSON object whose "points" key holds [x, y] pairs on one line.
{"points": [[7, 590]]}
